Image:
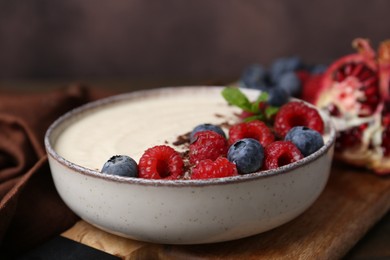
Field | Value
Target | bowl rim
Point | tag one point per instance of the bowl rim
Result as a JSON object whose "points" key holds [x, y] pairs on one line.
{"points": [[94, 105]]}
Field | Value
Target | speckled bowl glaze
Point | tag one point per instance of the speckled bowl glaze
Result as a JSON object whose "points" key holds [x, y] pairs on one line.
{"points": [[185, 211]]}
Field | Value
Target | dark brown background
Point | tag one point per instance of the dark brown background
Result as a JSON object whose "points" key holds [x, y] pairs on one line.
{"points": [[174, 38], [184, 41]]}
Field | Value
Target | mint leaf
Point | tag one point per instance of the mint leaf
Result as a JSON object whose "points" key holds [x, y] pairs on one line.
{"points": [[260, 117], [235, 97], [263, 97], [255, 107], [271, 111]]}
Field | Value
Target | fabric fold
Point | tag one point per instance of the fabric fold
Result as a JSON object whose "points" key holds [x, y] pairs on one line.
{"points": [[31, 210]]}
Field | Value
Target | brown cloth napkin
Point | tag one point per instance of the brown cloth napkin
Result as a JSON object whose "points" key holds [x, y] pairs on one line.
{"points": [[31, 211]]}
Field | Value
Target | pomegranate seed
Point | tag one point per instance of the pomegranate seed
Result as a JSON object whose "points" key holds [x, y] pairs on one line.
{"points": [[333, 110], [386, 142], [348, 138], [373, 99], [386, 120], [348, 69], [363, 127], [372, 82], [366, 74], [386, 107], [370, 91], [357, 70], [339, 76]]}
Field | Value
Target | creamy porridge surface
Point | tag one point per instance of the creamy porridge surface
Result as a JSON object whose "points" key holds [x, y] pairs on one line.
{"points": [[133, 126]]}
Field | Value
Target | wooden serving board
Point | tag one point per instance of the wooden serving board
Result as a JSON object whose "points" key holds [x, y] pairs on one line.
{"points": [[352, 202]]}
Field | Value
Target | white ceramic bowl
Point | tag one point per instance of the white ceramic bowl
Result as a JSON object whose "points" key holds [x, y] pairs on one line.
{"points": [[174, 212]]}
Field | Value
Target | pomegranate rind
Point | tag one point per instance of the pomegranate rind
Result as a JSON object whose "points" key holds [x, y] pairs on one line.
{"points": [[384, 68]]}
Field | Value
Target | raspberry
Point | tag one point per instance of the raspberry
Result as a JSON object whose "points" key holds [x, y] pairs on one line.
{"points": [[219, 168], [311, 86], [280, 153], [256, 129], [303, 75], [297, 114], [207, 145], [161, 162]]}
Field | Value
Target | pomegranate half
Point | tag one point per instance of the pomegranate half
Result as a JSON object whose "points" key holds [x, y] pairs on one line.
{"points": [[355, 91]]}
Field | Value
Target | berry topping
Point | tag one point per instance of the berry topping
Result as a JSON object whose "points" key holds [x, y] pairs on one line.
{"points": [[277, 96], [254, 76], [297, 114], [310, 87], [291, 83], [204, 127], [280, 153], [318, 69], [207, 145], [121, 165], [283, 65], [247, 154], [254, 129], [161, 162], [219, 168], [305, 139]]}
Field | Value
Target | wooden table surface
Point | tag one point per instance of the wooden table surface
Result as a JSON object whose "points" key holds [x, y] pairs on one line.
{"points": [[350, 219]]}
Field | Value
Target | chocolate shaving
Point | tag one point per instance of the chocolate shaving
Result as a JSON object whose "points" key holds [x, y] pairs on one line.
{"points": [[225, 124], [182, 139]]}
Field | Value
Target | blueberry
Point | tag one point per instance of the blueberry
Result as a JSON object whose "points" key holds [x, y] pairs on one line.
{"points": [[254, 76], [305, 139], [121, 165], [247, 154], [205, 127], [277, 96], [290, 82], [283, 65], [318, 69]]}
